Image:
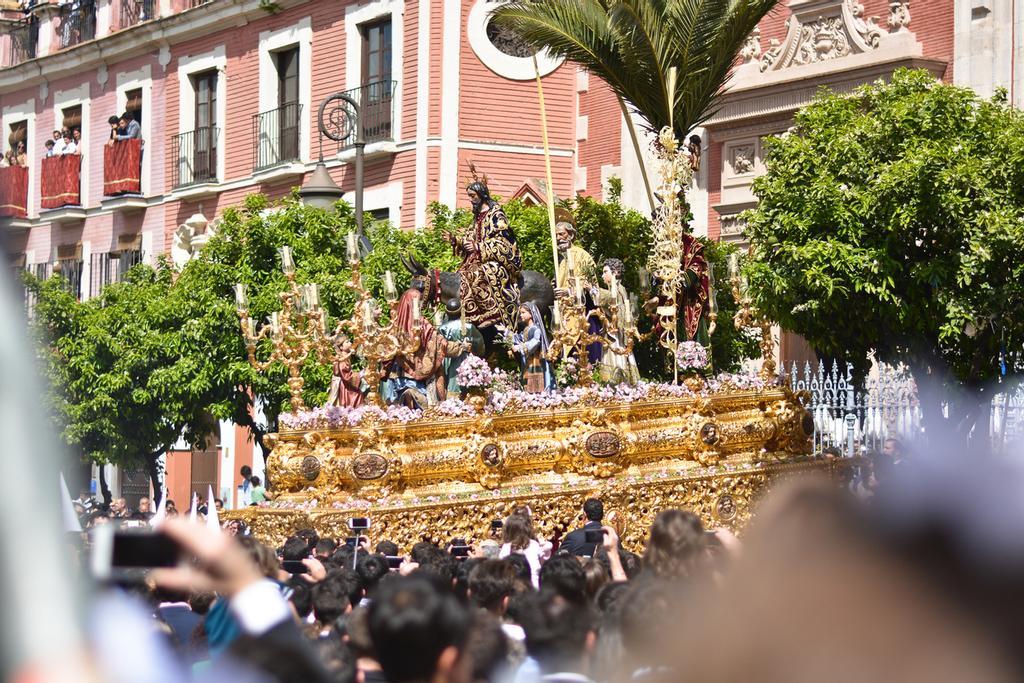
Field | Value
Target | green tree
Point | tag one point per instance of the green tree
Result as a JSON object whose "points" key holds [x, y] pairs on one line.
{"points": [[632, 45], [892, 221]]}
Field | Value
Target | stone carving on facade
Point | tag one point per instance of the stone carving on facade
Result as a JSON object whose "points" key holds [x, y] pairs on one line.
{"points": [[732, 225], [899, 17], [189, 238], [821, 32], [742, 159], [751, 49]]}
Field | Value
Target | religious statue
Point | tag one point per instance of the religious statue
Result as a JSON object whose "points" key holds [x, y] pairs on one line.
{"points": [[616, 365], [457, 329], [694, 299], [491, 263], [417, 379], [531, 345], [576, 274], [345, 391]]}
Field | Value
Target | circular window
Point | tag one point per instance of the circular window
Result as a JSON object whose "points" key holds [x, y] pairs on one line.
{"points": [[502, 51]]}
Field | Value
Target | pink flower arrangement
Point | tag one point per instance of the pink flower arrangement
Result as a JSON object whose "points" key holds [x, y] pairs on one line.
{"points": [[474, 373], [512, 399], [692, 356]]}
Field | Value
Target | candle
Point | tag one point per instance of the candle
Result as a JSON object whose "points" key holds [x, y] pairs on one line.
{"points": [[241, 300], [367, 314], [645, 280], [556, 317], [314, 291], [579, 290], [415, 309], [251, 324], [287, 264], [389, 285], [275, 323], [353, 247], [734, 265]]}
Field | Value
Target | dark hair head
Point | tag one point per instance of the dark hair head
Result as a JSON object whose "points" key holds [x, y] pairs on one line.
{"points": [[371, 569], [387, 548], [481, 191], [308, 535], [262, 556], [490, 583], [346, 582], [295, 548], [437, 562], [127, 116], [615, 265], [563, 575], [463, 568], [255, 480], [333, 596], [609, 599], [522, 568], [112, 120], [201, 602], [518, 531], [487, 648], [676, 544], [245, 471], [595, 576], [301, 596], [357, 628], [593, 509], [411, 624], [49, 142], [647, 615], [556, 631], [325, 547]]}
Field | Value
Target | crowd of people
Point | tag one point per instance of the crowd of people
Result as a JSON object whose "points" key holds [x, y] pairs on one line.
{"points": [[69, 140], [824, 586]]}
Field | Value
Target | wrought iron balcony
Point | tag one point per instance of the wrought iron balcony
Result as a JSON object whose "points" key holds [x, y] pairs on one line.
{"points": [[24, 36], [276, 136], [376, 104], [194, 156], [135, 12], [77, 22]]}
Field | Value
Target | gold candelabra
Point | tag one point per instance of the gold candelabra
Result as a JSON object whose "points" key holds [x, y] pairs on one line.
{"points": [[747, 315], [296, 331], [572, 332], [375, 342], [299, 330]]}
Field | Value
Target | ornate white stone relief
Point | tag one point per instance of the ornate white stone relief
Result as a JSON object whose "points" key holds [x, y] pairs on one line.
{"points": [[819, 32]]}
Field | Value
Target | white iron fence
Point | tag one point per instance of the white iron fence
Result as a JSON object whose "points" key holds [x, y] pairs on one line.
{"points": [[860, 420]]}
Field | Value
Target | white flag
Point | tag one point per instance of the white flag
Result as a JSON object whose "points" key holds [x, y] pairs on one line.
{"points": [[212, 522], [195, 505], [71, 523]]}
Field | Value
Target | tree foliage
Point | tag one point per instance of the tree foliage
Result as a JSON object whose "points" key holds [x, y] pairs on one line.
{"points": [[632, 45], [892, 221]]}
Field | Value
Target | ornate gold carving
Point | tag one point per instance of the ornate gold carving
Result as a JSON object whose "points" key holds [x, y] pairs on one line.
{"points": [[603, 444], [369, 466], [725, 508], [310, 467]]}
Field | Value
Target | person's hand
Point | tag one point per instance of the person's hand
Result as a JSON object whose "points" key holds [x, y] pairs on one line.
{"points": [[317, 572], [363, 543], [561, 292], [611, 539], [221, 564], [728, 540], [408, 566]]}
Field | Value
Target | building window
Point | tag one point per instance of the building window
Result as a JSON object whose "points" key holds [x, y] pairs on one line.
{"points": [[376, 51], [17, 136], [196, 150], [71, 121], [69, 267], [108, 268]]}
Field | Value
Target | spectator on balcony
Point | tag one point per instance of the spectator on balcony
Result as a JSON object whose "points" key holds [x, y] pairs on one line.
{"points": [[58, 142], [76, 135], [69, 144], [49, 144], [128, 127], [6, 158], [20, 156], [113, 122]]}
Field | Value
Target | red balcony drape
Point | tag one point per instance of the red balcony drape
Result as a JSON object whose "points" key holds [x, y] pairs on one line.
{"points": [[61, 181], [14, 192], [122, 167]]}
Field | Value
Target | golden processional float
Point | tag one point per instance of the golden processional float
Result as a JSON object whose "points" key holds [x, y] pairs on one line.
{"points": [[712, 446]]}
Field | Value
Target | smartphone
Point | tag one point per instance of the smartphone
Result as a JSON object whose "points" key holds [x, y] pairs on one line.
{"points": [[352, 541], [127, 554], [359, 523], [460, 551], [394, 562], [294, 567], [497, 524], [593, 536]]}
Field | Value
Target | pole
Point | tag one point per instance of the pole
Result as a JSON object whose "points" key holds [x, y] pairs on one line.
{"points": [[360, 144], [547, 167]]}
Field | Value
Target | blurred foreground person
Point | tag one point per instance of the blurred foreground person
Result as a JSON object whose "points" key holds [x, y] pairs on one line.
{"points": [[820, 594]]}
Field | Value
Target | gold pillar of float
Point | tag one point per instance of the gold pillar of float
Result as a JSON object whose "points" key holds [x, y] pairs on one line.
{"points": [[442, 477]]}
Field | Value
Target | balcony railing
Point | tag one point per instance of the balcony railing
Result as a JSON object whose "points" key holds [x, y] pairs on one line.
{"points": [[376, 103], [77, 22], [135, 12], [70, 271], [276, 133], [108, 268], [195, 156], [13, 192], [24, 37]]}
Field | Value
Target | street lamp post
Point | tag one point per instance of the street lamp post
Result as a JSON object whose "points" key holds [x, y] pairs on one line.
{"points": [[339, 119]]}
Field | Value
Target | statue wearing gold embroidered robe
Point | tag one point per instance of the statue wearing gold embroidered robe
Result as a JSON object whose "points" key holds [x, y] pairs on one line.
{"points": [[491, 263]]}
